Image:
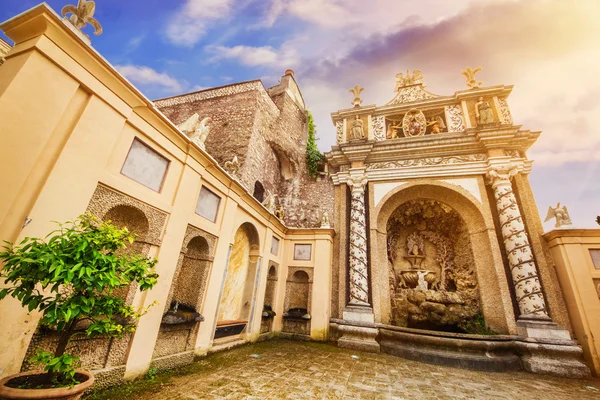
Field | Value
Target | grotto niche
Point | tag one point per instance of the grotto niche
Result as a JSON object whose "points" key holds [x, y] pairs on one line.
{"points": [[431, 269]]}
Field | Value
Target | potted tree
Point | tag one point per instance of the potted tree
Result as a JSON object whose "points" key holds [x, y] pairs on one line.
{"points": [[71, 277]]}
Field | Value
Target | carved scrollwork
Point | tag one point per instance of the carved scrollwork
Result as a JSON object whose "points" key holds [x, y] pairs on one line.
{"points": [[455, 118], [504, 111], [339, 131], [378, 125], [417, 162]]}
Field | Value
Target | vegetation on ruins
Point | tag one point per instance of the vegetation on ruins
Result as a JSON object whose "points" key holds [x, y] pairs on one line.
{"points": [[71, 277], [313, 155]]}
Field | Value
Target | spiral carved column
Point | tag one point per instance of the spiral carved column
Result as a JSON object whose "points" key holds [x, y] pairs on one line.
{"points": [[359, 275], [518, 250]]}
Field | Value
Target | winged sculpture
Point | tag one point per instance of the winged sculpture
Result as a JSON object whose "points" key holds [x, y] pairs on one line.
{"points": [[82, 15], [195, 129], [560, 213]]}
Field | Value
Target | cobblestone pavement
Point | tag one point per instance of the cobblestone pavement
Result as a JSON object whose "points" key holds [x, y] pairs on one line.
{"points": [[295, 370]]}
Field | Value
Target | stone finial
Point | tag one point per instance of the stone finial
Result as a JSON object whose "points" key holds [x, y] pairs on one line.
{"points": [[469, 73], [560, 213], [232, 167], [356, 91], [82, 15]]}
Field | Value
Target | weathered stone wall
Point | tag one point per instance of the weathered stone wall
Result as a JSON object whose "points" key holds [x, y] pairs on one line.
{"points": [[267, 130]]}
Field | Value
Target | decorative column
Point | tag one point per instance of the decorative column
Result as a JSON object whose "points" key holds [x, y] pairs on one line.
{"points": [[359, 275], [518, 250], [548, 348], [357, 330]]}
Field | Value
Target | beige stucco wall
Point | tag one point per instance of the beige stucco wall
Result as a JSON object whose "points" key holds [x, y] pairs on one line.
{"points": [[580, 283], [68, 121]]}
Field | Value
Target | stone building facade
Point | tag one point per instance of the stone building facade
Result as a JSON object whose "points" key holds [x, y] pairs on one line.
{"points": [[436, 253], [266, 129]]}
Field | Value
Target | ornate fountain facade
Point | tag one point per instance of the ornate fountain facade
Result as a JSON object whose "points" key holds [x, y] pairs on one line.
{"points": [[438, 243]]}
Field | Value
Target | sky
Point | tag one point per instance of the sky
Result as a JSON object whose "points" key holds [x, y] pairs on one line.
{"points": [[548, 49]]}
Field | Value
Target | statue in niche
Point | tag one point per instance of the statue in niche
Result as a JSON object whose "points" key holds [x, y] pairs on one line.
{"points": [[232, 167], [436, 125], [392, 131], [325, 220], [196, 130], [356, 91], [358, 128], [483, 112], [470, 73], [560, 213], [422, 283]]}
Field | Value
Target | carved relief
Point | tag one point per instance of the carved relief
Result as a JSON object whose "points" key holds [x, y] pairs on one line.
{"points": [[512, 153], [378, 125], [504, 111], [410, 88], [432, 282], [359, 276], [339, 131], [427, 161], [530, 297], [414, 123], [455, 118]]}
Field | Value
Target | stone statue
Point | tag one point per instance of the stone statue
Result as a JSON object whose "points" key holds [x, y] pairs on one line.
{"points": [[392, 132], [269, 202], [469, 73], [560, 213], [196, 130], [358, 128], [422, 283], [325, 220], [436, 124], [416, 78], [82, 15], [356, 91], [483, 112], [232, 167], [280, 213]]}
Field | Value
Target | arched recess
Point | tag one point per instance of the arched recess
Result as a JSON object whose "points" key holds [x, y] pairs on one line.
{"points": [[496, 302], [259, 191], [147, 223], [237, 296], [270, 296], [182, 311], [298, 299]]}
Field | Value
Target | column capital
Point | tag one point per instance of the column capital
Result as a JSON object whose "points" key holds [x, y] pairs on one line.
{"points": [[500, 175], [357, 183]]}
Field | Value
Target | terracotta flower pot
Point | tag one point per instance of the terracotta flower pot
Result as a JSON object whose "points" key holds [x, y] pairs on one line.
{"points": [[66, 393]]}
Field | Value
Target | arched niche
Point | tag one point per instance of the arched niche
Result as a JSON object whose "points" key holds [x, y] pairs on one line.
{"points": [[268, 312], [238, 290], [147, 223], [297, 303], [182, 311], [259, 191], [496, 302]]}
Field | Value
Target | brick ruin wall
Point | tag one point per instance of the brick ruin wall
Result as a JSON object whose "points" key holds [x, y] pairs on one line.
{"points": [[268, 135]]}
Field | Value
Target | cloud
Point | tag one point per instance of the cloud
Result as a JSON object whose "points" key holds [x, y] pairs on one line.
{"points": [[547, 49], [189, 24], [146, 76], [251, 56]]}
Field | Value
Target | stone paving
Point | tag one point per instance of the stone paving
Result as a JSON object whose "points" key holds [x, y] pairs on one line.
{"points": [[295, 370]]}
